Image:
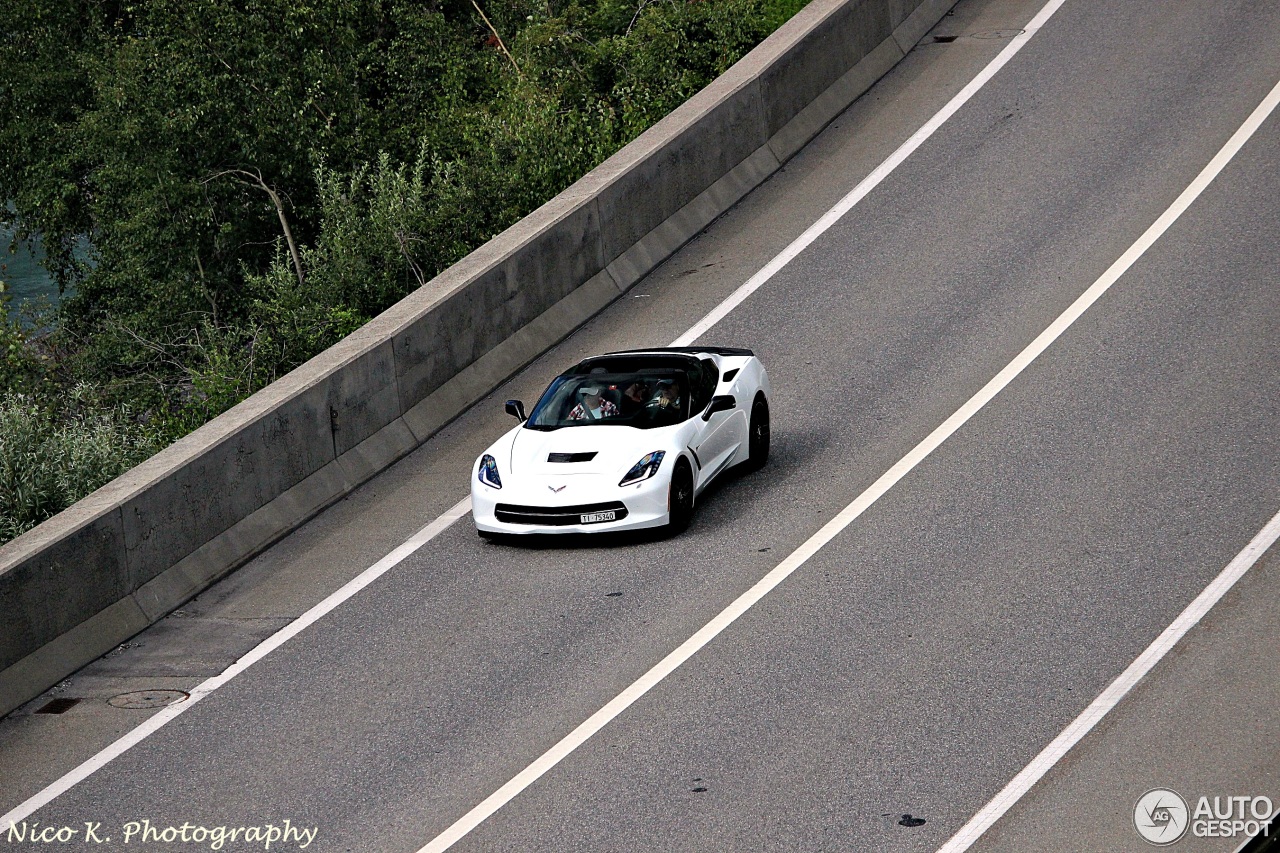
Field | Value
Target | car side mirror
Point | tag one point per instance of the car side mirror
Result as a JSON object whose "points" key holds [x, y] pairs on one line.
{"points": [[722, 403], [516, 409]]}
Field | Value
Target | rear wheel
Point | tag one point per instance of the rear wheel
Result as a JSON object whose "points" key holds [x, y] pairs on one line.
{"points": [[680, 498], [758, 434]]}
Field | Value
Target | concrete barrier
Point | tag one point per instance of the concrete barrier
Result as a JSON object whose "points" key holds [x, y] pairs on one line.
{"points": [[93, 576]]}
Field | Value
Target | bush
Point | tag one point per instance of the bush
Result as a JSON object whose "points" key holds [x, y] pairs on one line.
{"points": [[50, 459], [256, 180]]}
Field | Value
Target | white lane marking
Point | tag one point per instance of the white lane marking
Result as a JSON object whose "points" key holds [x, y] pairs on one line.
{"points": [[1081, 726], [266, 647], [871, 181], [1032, 773], [273, 642]]}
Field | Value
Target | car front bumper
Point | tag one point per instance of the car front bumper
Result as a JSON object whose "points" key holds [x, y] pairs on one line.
{"points": [[532, 505]]}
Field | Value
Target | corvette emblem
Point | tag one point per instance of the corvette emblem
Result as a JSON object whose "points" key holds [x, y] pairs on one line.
{"points": [[557, 489]]}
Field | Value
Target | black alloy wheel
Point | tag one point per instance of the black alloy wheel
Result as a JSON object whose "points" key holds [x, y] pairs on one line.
{"points": [[758, 434], [680, 498]]}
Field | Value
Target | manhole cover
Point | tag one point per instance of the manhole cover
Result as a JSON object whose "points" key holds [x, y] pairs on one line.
{"points": [[997, 34], [141, 700]]}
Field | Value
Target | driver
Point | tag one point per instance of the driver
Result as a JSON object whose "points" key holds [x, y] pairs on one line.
{"points": [[669, 393], [593, 407], [668, 398]]}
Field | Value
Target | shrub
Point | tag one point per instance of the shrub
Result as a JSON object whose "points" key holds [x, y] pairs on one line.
{"points": [[50, 459], [256, 180]]}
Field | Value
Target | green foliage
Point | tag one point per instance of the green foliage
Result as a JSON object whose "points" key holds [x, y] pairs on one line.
{"points": [[27, 360], [201, 144], [50, 459]]}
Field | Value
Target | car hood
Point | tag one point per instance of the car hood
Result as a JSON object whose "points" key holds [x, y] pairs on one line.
{"points": [[616, 449]]}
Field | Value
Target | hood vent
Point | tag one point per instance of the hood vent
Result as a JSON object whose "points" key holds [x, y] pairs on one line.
{"points": [[572, 457]]}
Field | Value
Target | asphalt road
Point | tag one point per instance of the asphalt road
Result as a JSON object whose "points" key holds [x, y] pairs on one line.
{"points": [[925, 655]]}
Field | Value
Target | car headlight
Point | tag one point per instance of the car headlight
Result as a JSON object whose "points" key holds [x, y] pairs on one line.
{"points": [[644, 469], [489, 472]]}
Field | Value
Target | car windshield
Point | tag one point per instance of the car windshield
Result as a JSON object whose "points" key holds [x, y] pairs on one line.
{"points": [[645, 398]]}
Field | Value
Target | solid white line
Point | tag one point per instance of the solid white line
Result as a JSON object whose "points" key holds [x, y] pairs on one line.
{"points": [[1032, 773], [871, 181], [1116, 691], [266, 647], [273, 642]]}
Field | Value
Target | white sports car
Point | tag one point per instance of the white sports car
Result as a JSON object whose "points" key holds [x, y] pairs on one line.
{"points": [[624, 441]]}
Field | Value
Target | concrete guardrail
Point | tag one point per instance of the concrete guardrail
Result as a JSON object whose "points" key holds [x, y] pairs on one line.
{"points": [[88, 579]]}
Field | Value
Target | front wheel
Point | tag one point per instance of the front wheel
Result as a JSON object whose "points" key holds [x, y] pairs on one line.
{"points": [[758, 434], [680, 498]]}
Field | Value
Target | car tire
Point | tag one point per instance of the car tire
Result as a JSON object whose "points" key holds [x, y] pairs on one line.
{"points": [[680, 498], [758, 434]]}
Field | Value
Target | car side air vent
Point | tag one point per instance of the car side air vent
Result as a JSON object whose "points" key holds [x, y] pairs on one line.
{"points": [[729, 374], [572, 457]]}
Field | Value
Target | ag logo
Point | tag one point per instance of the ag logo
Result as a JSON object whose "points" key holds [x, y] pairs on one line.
{"points": [[1160, 816]]}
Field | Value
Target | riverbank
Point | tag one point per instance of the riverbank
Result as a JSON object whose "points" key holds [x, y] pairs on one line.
{"points": [[21, 271]]}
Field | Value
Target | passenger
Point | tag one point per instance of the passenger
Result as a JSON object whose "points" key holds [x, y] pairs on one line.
{"points": [[593, 407], [634, 397]]}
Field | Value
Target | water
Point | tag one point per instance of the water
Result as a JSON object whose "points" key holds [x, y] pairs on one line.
{"points": [[22, 273]]}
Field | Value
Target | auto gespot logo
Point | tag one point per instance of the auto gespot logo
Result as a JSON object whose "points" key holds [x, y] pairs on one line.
{"points": [[1162, 817]]}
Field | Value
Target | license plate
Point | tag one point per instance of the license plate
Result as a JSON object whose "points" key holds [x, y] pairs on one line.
{"points": [[591, 517]]}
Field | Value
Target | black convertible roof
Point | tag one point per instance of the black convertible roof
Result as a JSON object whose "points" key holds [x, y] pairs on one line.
{"points": [[688, 350]]}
